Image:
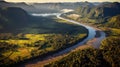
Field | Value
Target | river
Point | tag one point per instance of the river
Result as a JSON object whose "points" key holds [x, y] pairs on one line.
{"points": [[92, 32]]}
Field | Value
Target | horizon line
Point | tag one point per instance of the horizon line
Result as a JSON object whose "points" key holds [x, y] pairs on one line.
{"points": [[60, 2]]}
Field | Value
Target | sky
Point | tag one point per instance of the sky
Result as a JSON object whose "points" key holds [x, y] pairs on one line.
{"points": [[43, 1]]}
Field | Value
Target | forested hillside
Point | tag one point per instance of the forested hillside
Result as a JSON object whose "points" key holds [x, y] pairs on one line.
{"points": [[11, 16], [114, 22], [99, 13]]}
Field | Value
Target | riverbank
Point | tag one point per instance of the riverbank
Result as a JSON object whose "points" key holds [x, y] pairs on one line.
{"points": [[105, 56], [65, 52], [75, 32], [93, 43], [46, 37]]}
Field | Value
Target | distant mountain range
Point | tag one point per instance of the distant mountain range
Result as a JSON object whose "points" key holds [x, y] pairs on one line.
{"points": [[102, 13], [15, 13], [45, 7], [22, 5], [102, 10]]}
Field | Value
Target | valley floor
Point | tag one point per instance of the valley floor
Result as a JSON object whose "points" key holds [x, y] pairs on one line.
{"points": [[94, 42]]}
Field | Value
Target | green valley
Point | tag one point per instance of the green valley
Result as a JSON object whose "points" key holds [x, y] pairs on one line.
{"points": [[105, 17], [67, 39], [25, 37]]}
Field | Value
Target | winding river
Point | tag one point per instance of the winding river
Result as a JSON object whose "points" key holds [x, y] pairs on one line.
{"points": [[91, 36]]}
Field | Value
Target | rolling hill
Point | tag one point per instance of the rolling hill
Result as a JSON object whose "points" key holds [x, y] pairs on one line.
{"points": [[100, 13], [11, 16]]}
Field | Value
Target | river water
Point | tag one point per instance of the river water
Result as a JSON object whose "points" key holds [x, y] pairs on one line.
{"points": [[91, 35]]}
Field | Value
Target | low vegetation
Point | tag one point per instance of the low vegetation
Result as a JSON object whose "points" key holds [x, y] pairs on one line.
{"points": [[114, 22], [42, 36], [106, 56]]}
